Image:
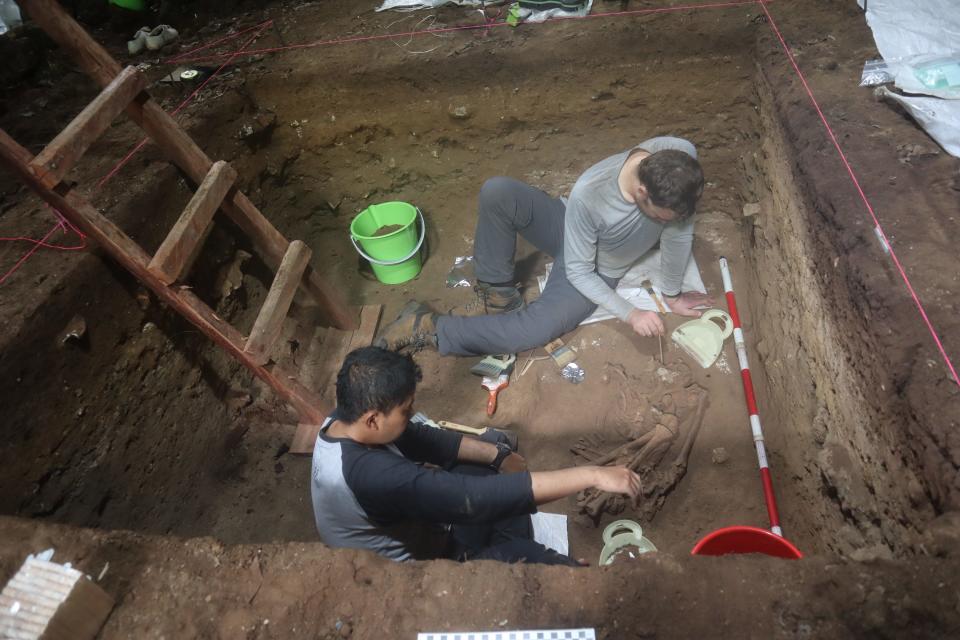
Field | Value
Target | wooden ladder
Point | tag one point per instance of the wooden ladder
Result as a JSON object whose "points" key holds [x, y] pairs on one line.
{"points": [[124, 90]]}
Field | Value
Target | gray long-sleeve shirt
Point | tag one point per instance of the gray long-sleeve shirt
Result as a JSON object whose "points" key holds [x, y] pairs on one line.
{"points": [[605, 234]]}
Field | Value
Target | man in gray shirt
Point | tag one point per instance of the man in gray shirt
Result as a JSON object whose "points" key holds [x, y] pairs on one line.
{"points": [[617, 211]]}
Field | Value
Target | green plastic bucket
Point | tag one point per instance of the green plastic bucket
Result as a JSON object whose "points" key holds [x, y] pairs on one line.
{"points": [[132, 5], [394, 257]]}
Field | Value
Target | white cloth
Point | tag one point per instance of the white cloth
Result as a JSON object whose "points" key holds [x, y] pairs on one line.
{"points": [[630, 289]]}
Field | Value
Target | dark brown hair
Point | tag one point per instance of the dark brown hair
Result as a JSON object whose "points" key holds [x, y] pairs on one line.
{"points": [[674, 180]]}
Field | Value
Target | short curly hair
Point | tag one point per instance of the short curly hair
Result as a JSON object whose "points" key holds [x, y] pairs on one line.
{"points": [[674, 180]]}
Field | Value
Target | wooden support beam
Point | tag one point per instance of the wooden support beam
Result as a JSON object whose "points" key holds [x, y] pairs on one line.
{"points": [[266, 329], [182, 243], [184, 152], [338, 345], [53, 163], [130, 255]]}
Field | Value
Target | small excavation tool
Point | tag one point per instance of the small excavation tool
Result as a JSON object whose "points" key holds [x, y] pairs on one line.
{"points": [[748, 539], [661, 309]]}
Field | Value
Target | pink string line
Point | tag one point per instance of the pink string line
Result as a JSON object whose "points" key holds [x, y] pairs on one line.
{"points": [[183, 104], [486, 25], [177, 57], [63, 223], [863, 196]]}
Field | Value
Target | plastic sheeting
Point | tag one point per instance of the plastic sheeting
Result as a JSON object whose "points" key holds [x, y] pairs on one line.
{"points": [[526, 15], [9, 16], [910, 35]]}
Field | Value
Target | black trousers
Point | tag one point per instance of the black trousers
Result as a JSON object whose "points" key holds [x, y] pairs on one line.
{"points": [[509, 540]]}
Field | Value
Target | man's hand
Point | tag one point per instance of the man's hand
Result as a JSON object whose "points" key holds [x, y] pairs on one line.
{"points": [[646, 323], [617, 480], [513, 463], [686, 303]]}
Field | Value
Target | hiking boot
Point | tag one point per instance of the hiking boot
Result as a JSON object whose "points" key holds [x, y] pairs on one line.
{"points": [[491, 299], [414, 328]]}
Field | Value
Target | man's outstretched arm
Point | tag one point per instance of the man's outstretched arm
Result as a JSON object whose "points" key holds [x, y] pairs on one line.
{"points": [[553, 485]]}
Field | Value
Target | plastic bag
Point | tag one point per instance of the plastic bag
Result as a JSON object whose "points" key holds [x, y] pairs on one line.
{"points": [[461, 273], [875, 73], [9, 16]]}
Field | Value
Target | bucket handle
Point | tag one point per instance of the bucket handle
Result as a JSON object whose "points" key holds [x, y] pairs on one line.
{"points": [[387, 263], [620, 525], [723, 315]]}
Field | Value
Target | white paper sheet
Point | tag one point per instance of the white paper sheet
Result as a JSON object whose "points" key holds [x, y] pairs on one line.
{"points": [[550, 530]]}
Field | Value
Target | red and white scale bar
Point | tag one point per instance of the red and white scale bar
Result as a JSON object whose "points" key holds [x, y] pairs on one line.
{"points": [[751, 398]]}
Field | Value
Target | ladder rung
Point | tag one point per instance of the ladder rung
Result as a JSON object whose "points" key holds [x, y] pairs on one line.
{"points": [[53, 163], [181, 244], [270, 319]]}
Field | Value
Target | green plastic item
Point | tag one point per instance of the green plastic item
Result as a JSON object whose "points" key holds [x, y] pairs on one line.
{"points": [[513, 15], [132, 5], [702, 338], [620, 534], [394, 257]]}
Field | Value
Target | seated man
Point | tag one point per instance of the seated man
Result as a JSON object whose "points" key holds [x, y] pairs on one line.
{"points": [[617, 211], [409, 491]]}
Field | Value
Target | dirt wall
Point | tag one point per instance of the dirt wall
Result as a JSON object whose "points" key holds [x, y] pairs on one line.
{"points": [[199, 587], [864, 452]]}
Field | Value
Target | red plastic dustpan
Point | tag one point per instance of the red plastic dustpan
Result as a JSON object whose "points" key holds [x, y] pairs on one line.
{"points": [[746, 540]]}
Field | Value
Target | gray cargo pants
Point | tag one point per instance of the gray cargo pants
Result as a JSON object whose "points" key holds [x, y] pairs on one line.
{"points": [[509, 207]]}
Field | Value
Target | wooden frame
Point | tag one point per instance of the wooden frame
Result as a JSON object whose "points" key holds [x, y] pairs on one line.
{"points": [[124, 91]]}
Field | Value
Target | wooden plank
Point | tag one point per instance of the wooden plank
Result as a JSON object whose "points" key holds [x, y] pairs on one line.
{"points": [[132, 257], [184, 152], [182, 243], [266, 329], [334, 352], [246, 215], [369, 321], [63, 152]]}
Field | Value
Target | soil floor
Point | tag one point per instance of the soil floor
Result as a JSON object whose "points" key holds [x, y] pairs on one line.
{"points": [[142, 425]]}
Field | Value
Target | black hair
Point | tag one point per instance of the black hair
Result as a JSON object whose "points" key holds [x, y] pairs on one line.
{"points": [[375, 379], [674, 180]]}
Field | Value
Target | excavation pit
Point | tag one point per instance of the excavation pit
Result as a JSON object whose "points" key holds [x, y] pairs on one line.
{"points": [[143, 425]]}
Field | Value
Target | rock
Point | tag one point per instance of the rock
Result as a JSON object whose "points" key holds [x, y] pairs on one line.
{"points": [[231, 277], [460, 112], [719, 456], [75, 330], [259, 130], [820, 428], [751, 209], [943, 533]]}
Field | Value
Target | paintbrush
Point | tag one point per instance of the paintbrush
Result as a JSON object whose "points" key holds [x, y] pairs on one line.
{"points": [[648, 286]]}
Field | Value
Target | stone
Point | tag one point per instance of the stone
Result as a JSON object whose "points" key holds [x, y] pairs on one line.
{"points": [[751, 209], [719, 456]]}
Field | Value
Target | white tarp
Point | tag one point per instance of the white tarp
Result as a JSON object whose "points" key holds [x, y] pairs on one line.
{"points": [[526, 15], [631, 287], [9, 16], [909, 35]]}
